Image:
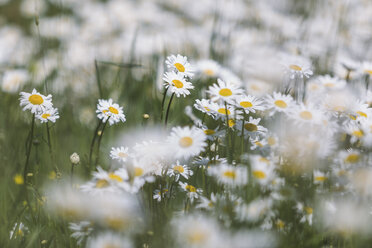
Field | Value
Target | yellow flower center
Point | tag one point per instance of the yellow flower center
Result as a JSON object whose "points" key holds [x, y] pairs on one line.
{"points": [[122, 155], [246, 104], [208, 109], [320, 178], [264, 160], [35, 99], [209, 131], [295, 67], [280, 224], [308, 210], [225, 92], [306, 115], [185, 142], [177, 83], [102, 183], [330, 85], [196, 237], [258, 144], [358, 133], [209, 72], [230, 174], [224, 111], [352, 158], [115, 177], [179, 67], [190, 188], [280, 103], [111, 246], [362, 114], [271, 141], [18, 179], [20, 232], [45, 116], [138, 171], [368, 71], [231, 123], [250, 127], [259, 174], [113, 110], [116, 224], [178, 168]]}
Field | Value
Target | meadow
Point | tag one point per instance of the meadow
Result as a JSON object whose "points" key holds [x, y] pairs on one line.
{"points": [[163, 123]]}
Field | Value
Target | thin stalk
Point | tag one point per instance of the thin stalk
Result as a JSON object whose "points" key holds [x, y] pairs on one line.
{"points": [[167, 114], [72, 173], [163, 101], [28, 153], [92, 143], [51, 150], [99, 142], [243, 132], [98, 79], [227, 135]]}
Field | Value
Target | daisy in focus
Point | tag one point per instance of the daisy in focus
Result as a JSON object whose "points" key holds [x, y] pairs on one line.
{"points": [[249, 103], [35, 101], [180, 64], [108, 110], [279, 102], [177, 84], [50, 114], [224, 92], [178, 170]]}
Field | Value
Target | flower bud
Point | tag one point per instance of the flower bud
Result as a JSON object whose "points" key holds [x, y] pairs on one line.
{"points": [[74, 158]]}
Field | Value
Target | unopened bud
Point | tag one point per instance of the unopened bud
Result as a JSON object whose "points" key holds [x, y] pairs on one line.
{"points": [[74, 158], [146, 116]]}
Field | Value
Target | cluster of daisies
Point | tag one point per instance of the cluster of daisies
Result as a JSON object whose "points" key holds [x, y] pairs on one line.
{"points": [[39, 105]]}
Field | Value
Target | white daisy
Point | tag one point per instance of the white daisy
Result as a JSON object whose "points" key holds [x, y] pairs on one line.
{"points": [[223, 91], [35, 101], [107, 110], [229, 175], [81, 230], [249, 103], [159, 196], [306, 114], [50, 114], [296, 66], [177, 84], [208, 68], [319, 177], [13, 80], [331, 83], [186, 142], [251, 127], [108, 239], [192, 192], [119, 153], [205, 106], [178, 170], [179, 63], [279, 102], [220, 111], [366, 68]]}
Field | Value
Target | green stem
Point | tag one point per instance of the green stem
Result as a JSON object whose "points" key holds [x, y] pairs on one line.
{"points": [[163, 101], [99, 142], [28, 153], [51, 150], [227, 135], [72, 173], [167, 114], [243, 132], [92, 143], [98, 79]]}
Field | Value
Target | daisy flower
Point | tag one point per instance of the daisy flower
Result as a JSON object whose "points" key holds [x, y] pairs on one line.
{"points": [[279, 102], [262, 171], [249, 103], [159, 196], [119, 153], [296, 66], [107, 110], [331, 83], [306, 212], [192, 192], [177, 83], [81, 230], [319, 177], [366, 68], [178, 170], [13, 80], [205, 203], [220, 111], [251, 127], [361, 110], [186, 142], [306, 114], [35, 101], [225, 92], [109, 240], [229, 175], [179, 63], [208, 68], [205, 106], [212, 134], [50, 114], [22, 229]]}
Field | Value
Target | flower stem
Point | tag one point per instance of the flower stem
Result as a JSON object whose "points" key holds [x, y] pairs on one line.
{"points": [[92, 143], [99, 142], [167, 114], [51, 151], [163, 101], [28, 153], [243, 131]]}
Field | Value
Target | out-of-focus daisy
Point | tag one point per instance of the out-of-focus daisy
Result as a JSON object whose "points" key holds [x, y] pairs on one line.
{"points": [[18, 232], [279, 102], [109, 239], [306, 114], [13, 80], [366, 68], [178, 170], [119, 153], [331, 83], [205, 203], [306, 213], [355, 131], [49, 114], [296, 66], [319, 177], [212, 134], [35, 101], [220, 111], [229, 175], [224, 91], [361, 110], [177, 84], [249, 103], [254, 211], [159, 195], [192, 192], [205, 106], [208, 68], [262, 171], [81, 230], [179, 63], [186, 142], [251, 127], [108, 110]]}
